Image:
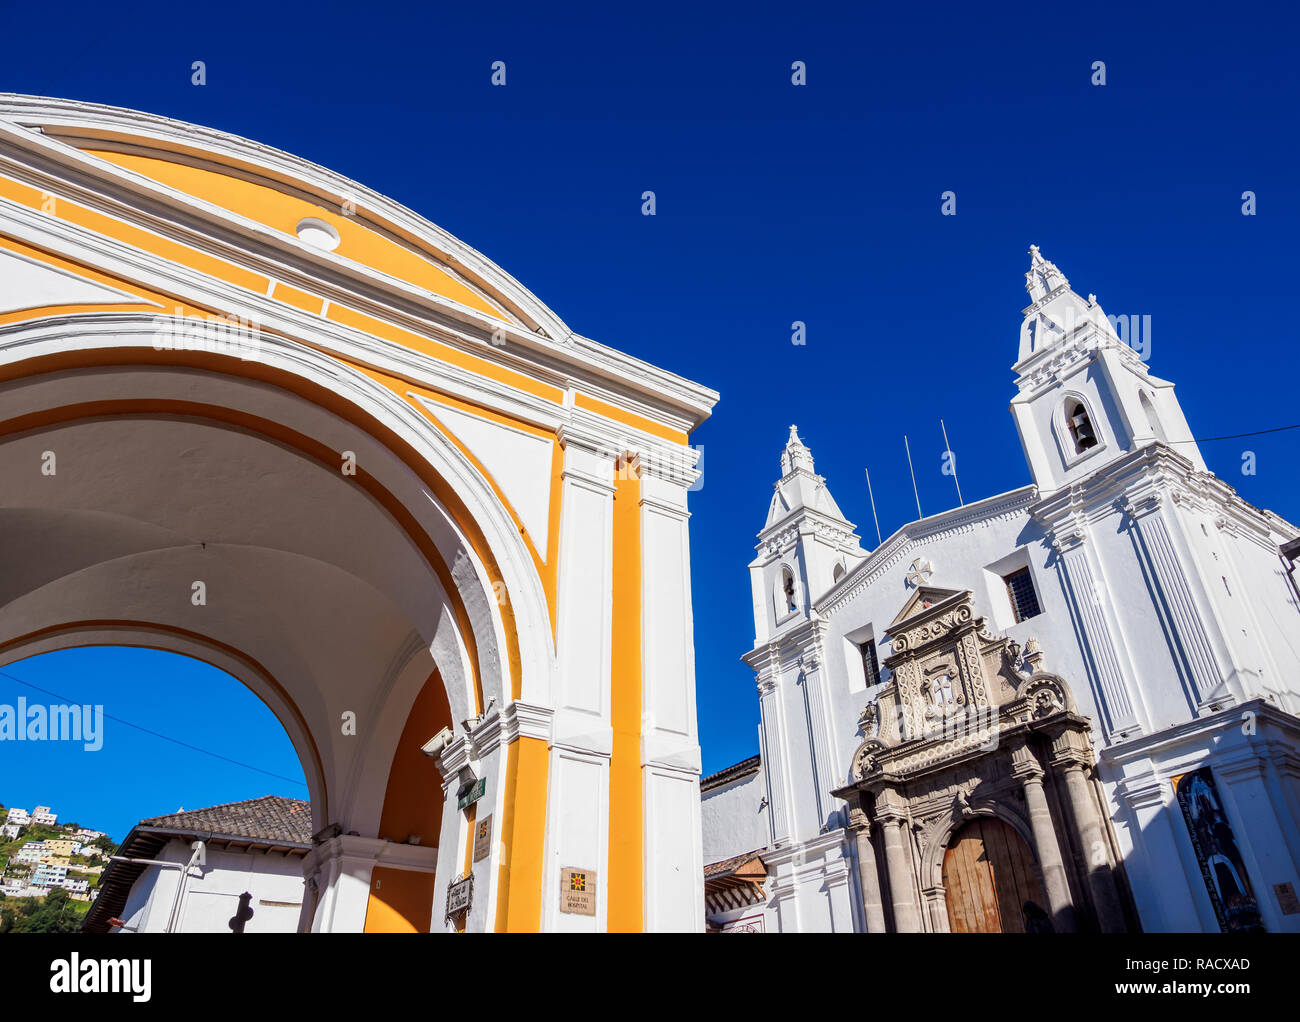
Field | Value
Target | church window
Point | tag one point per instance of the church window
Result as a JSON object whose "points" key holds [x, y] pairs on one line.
{"points": [[837, 573], [870, 665], [1080, 424], [787, 590], [1024, 600]]}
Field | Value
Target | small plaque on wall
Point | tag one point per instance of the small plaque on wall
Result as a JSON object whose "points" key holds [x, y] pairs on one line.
{"points": [[1286, 899], [578, 891], [483, 838], [460, 895]]}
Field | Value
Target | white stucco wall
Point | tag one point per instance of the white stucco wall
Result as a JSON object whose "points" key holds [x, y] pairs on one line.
{"points": [[735, 818], [274, 880]]}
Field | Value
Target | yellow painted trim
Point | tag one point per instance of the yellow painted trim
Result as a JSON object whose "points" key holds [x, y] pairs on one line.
{"points": [[626, 813], [348, 316], [281, 211], [304, 300], [66, 209], [147, 297], [610, 411], [547, 569], [183, 255], [523, 830]]}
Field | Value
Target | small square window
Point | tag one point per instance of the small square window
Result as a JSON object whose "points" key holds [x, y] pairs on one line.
{"points": [[1024, 600]]}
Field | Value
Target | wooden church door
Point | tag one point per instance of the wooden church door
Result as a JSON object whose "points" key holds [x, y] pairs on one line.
{"points": [[990, 882]]}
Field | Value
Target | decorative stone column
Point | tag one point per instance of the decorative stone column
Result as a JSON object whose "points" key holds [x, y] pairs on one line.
{"points": [[936, 903], [1070, 757], [1057, 887], [868, 878], [906, 917]]}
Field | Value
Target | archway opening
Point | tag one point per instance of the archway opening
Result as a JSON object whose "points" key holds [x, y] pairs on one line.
{"points": [[123, 743], [217, 516]]}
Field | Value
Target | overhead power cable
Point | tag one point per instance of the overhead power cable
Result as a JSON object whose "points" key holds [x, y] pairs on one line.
{"points": [[157, 734], [1236, 436]]}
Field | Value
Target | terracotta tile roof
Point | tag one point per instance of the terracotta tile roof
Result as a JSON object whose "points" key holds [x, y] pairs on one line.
{"points": [[732, 773], [270, 818], [734, 865]]}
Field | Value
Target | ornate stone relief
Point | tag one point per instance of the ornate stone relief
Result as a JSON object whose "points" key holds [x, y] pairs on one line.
{"points": [[955, 688]]}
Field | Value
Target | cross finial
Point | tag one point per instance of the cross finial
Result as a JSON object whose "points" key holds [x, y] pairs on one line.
{"points": [[796, 454]]}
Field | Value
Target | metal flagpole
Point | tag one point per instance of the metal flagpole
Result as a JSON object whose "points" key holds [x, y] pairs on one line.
{"points": [[952, 460], [916, 493], [873, 506]]}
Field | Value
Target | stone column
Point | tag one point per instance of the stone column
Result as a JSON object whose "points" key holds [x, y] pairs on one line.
{"points": [[906, 918], [1072, 761], [868, 879], [1057, 887], [936, 902]]}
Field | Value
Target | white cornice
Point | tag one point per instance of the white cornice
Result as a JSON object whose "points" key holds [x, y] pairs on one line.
{"points": [[526, 720], [867, 572], [1153, 472]]}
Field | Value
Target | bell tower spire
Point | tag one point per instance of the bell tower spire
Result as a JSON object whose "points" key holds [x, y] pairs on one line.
{"points": [[1043, 277], [796, 455], [805, 545]]}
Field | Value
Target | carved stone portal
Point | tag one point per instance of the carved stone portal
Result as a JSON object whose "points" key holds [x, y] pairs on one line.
{"points": [[963, 732]]}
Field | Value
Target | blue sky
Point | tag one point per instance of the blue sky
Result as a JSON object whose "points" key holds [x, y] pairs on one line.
{"points": [[777, 204], [134, 774]]}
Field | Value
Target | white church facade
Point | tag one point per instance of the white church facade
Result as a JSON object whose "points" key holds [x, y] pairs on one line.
{"points": [[1072, 706]]}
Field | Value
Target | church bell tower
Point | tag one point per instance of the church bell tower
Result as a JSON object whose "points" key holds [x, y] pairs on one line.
{"points": [[803, 549], [1086, 396]]}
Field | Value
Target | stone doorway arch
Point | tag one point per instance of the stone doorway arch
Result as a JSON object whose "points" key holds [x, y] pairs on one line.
{"points": [[990, 880]]}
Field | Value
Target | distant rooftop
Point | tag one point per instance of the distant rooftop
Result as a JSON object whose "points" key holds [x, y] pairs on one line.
{"points": [[269, 818], [734, 772]]}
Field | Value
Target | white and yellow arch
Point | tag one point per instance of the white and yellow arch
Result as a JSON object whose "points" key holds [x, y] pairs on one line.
{"points": [[253, 412]]}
